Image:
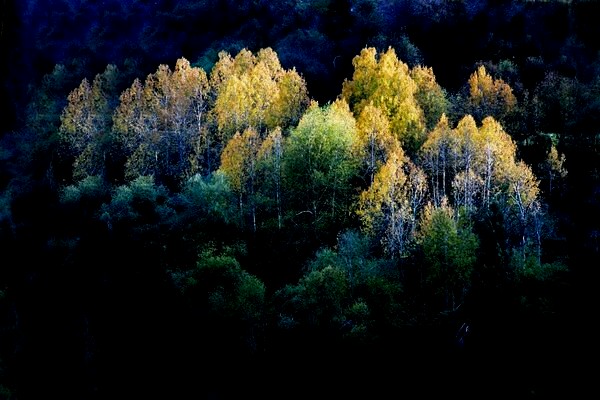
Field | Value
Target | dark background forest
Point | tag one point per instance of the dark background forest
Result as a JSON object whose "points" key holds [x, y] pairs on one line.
{"points": [[126, 287]]}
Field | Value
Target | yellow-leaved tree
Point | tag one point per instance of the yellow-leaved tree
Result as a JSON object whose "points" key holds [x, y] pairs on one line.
{"points": [[388, 209], [489, 96], [385, 82], [449, 249], [430, 96], [86, 123], [374, 141], [161, 123], [254, 91], [239, 163]]}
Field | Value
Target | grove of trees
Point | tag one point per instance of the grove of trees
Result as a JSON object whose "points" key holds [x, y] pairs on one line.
{"points": [[210, 228]]}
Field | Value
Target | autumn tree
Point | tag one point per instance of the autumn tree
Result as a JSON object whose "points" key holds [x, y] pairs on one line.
{"points": [[468, 163], [86, 123], [385, 209], [554, 168], [438, 158], [488, 96], [521, 201], [159, 122], [497, 155], [254, 91], [384, 81], [430, 96], [133, 123], [178, 100], [239, 163], [374, 141], [466, 185]]}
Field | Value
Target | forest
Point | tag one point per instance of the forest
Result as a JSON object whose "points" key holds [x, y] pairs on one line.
{"points": [[335, 199]]}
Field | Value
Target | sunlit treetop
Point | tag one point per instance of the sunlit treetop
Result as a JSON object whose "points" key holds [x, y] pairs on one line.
{"points": [[384, 81], [489, 96], [255, 91]]}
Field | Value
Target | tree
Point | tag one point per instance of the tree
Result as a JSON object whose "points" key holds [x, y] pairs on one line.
{"points": [[416, 191], [208, 200], [255, 91], [497, 155], [489, 96], [385, 209], [467, 182], [523, 189], [430, 96], [239, 164], [178, 101], [474, 160], [522, 201], [318, 301], [43, 112], [319, 163], [233, 299], [135, 128], [554, 168], [270, 156], [385, 81], [292, 99], [556, 101], [450, 252], [140, 204], [86, 122], [437, 156], [161, 123], [374, 142]]}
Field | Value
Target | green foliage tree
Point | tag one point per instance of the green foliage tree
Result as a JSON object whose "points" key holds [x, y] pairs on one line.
{"points": [[319, 164], [35, 148], [318, 301], [346, 290], [207, 200], [450, 251], [43, 112], [231, 298], [140, 205], [555, 103]]}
